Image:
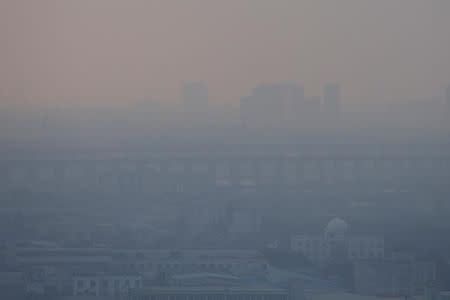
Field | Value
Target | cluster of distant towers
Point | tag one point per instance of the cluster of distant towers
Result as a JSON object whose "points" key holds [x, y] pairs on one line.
{"points": [[285, 104], [277, 104], [274, 104]]}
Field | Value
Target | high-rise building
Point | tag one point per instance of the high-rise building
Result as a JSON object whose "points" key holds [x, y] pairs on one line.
{"points": [[282, 102], [296, 98], [267, 105], [298, 110], [247, 110], [332, 102], [278, 105], [195, 99]]}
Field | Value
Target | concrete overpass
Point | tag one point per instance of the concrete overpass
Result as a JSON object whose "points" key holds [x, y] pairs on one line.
{"points": [[302, 169]]}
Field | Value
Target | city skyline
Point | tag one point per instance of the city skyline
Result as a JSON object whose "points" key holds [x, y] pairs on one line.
{"points": [[224, 149], [112, 52]]}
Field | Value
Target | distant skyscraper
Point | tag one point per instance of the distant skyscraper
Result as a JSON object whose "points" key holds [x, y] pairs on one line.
{"points": [[274, 105], [296, 103], [270, 100], [297, 97], [195, 99], [332, 102], [247, 110]]}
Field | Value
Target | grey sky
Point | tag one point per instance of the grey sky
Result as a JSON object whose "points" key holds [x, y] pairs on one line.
{"points": [[114, 51]]}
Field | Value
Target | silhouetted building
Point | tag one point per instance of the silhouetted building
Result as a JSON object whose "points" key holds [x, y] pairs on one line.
{"points": [[195, 100], [245, 221], [394, 276], [12, 284], [295, 108], [271, 100], [332, 103], [212, 293], [337, 244], [105, 284], [310, 114], [272, 105], [297, 97], [247, 110]]}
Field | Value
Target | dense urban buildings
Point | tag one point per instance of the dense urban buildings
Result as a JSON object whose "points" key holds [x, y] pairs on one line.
{"points": [[284, 105], [225, 150], [195, 101], [338, 244], [211, 293], [293, 219], [332, 103], [400, 276]]}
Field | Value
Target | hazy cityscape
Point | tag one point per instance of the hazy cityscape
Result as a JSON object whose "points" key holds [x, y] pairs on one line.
{"points": [[122, 178], [273, 109]]}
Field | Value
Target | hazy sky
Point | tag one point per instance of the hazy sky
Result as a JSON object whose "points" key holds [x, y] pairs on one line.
{"points": [[82, 51]]}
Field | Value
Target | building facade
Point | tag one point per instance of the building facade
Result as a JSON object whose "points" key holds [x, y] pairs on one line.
{"points": [[210, 293], [100, 285], [394, 277], [332, 103], [338, 244]]}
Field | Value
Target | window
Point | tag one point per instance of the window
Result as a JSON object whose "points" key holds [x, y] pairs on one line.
{"points": [[80, 283], [93, 284]]}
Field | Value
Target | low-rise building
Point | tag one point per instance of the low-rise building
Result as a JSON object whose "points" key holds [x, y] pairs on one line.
{"points": [[205, 279], [105, 284], [235, 262], [395, 276], [12, 284], [336, 243], [210, 293]]}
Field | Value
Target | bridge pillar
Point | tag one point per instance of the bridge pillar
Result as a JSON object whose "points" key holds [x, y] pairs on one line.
{"points": [[289, 172], [255, 172], [139, 174], [59, 174], [31, 177], [5, 175], [327, 170], [222, 172], [277, 173], [235, 176], [300, 172]]}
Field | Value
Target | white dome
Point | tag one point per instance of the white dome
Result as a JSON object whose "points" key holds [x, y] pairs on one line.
{"points": [[336, 227]]}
